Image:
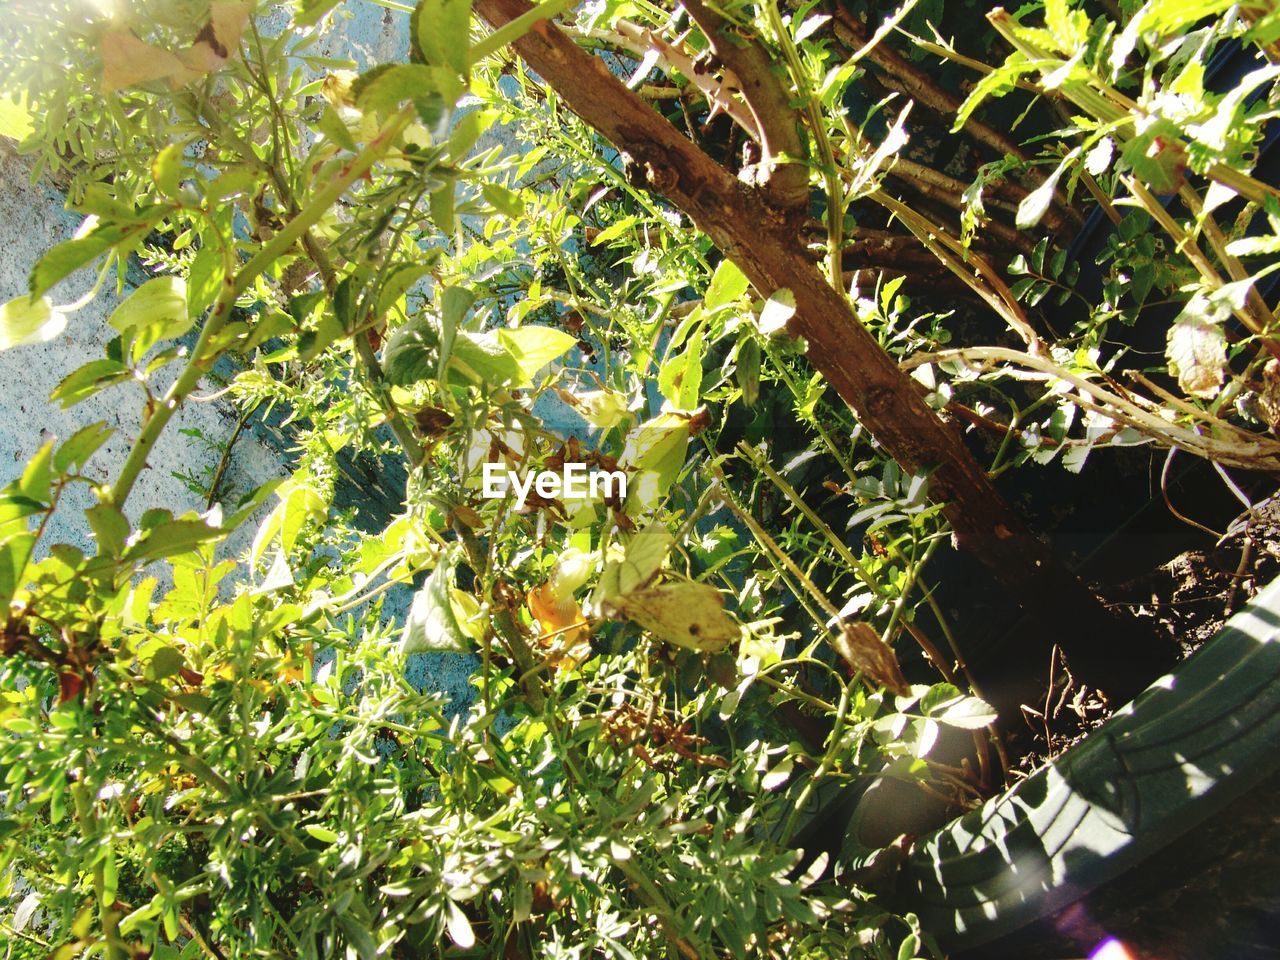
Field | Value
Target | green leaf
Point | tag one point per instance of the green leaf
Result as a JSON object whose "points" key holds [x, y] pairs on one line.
{"points": [[299, 502], [333, 127], [778, 309], [387, 86], [1197, 347], [534, 347], [14, 554], [323, 834], [37, 478], [482, 358], [1034, 204], [459, 927], [110, 528], [166, 169], [504, 200], [70, 255], [967, 713], [88, 379], [655, 452], [411, 353], [172, 538], [204, 279], [432, 625], [81, 445], [727, 285], [15, 119], [684, 613], [442, 207], [24, 321], [997, 83], [442, 32], [159, 307]]}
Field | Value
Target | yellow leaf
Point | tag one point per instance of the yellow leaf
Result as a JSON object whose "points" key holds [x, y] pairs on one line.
{"points": [[127, 61], [564, 629], [688, 614]]}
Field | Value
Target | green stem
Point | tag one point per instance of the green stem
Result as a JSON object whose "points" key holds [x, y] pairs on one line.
{"points": [[201, 358], [517, 28]]}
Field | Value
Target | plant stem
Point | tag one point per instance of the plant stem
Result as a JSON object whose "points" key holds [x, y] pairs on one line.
{"points": [[201, 358]]}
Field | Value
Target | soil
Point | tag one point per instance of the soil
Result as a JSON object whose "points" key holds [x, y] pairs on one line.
{"points": [[1214, 893], [1186, 600]]}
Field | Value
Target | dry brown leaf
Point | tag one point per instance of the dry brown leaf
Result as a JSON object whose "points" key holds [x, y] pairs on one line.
{"points": [[127, 61], [864, 651]]}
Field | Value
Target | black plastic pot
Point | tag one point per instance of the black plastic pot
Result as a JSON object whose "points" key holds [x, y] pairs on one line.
{"points": [[1192, 743]]}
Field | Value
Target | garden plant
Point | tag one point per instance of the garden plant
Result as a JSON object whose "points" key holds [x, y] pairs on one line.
{"points": [[814, 279]]}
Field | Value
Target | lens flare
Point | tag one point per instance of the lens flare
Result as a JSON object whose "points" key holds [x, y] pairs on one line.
{"points": [[1111, 949]]}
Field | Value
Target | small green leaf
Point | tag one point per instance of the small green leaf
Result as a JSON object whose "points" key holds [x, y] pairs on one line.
{"points": [[442, 32], [323, 834], [88, 379], [158, 306], [504, 200], [37, 477], [1034, 204], [81, 445], [25, 321], [14, 554], [460, 931], [166, 169], [432, 625], [110, 528]]}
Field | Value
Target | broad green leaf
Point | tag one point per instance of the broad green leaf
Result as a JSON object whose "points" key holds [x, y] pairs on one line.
{"points": [[387, 86], [204, 279], [171, 538], [441, 32], [299, 502], [110, 528], [643, 557], [504, 200], [967, 713], [728, 283], [158, 306], [777, 310], [534, 347], [482, 358], [411, 354], [432, 624], [654, 453], [14, 554], [23, 321]]}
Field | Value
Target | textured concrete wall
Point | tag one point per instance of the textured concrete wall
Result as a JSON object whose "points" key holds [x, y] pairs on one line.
{"points": [[32, 220]]}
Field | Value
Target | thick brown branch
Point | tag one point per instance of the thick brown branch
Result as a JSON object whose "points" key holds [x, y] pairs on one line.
{"points": [[765, 92], [756, 237]]}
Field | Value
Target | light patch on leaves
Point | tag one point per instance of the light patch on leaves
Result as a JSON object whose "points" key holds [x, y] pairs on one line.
{"points": [[1197, 348]]}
